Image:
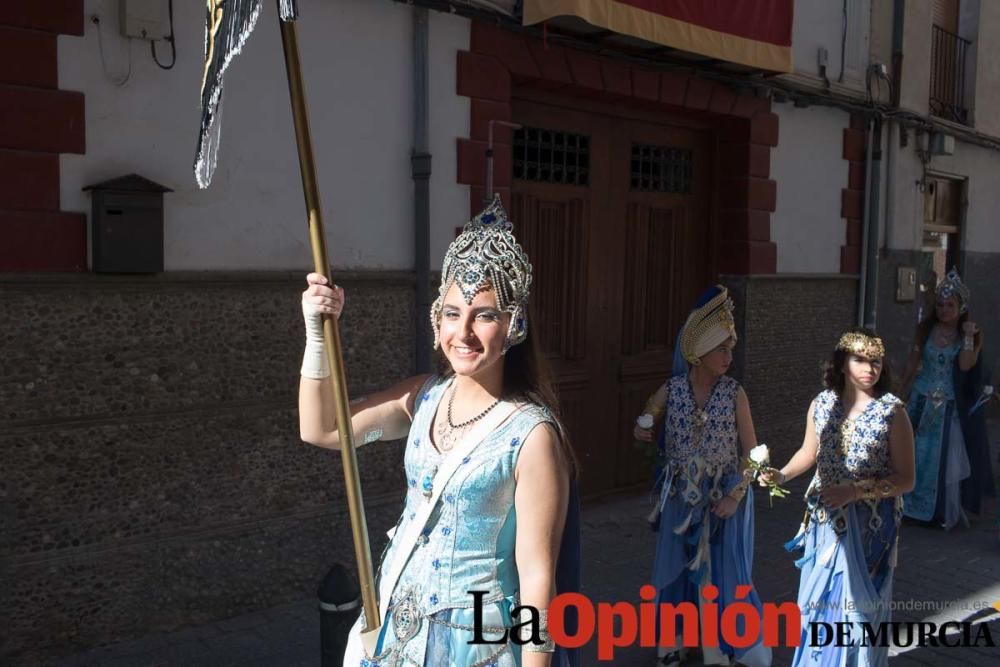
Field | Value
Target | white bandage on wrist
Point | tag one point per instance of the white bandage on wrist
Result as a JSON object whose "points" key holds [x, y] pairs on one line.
{"points": [[314, 362]]}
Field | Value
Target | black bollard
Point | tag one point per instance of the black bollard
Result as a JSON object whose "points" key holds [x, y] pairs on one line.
{"points": [[339, 605]]}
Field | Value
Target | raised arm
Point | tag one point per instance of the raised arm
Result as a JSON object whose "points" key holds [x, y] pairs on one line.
{"points": [[540, 501], [972, 345], [386, 415], [383, 416]]}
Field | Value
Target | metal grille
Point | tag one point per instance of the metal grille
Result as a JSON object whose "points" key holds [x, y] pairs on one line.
{"points": [[661, 169], [550, 156], [948, 64]]}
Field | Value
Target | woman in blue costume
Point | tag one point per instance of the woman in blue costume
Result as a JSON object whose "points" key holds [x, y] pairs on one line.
{"points": [[704, 514], [491, 503], [952, 454], [859, 438]]}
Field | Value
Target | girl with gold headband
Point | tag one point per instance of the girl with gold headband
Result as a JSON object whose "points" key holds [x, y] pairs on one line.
{"points": [[860, 439], [704, 514], [944, 373], [491, 504]]}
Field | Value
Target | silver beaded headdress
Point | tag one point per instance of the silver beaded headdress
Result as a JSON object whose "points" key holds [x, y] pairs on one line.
{"points": [[487, 254], [952, 286]]}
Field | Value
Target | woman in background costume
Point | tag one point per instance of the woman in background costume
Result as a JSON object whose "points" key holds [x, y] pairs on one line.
{"points": [[705, 513], [952, 454], [491, 503], [859, 438]]}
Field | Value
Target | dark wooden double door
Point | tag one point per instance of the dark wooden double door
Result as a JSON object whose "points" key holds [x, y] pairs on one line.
{"points": [[615, 214]]}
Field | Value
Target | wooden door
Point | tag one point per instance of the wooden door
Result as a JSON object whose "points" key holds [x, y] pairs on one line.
{"points": [[617, 262], [559, 210], [660, 192]]}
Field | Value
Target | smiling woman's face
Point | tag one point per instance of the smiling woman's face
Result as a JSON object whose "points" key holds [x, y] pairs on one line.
{"points": [[472, 335]]}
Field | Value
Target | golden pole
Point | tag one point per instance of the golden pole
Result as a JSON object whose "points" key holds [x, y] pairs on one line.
{"points": [[331, 334]]}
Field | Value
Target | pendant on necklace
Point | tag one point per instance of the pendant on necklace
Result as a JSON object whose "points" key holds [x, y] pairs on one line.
{"points": [[446, 437], [427, 484]]}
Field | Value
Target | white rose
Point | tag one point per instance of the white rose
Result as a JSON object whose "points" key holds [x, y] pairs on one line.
{"points": [[645, 422], [988, 390], [760, 455]]}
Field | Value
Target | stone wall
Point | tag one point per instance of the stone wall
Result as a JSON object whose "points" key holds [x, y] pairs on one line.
{"points": [[787, 326], [153, 476]]}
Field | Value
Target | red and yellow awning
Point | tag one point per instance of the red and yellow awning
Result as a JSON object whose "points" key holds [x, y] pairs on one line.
{"points": [[755, 33]]}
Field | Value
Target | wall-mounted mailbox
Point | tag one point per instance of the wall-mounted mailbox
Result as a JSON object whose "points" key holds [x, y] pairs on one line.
{"points": [[126, 225]]}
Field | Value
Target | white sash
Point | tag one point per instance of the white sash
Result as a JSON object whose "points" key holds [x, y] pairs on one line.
{"points": [[451, 462]]}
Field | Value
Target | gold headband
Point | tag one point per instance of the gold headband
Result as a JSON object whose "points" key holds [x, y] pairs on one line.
{"points": [[862, 344]]}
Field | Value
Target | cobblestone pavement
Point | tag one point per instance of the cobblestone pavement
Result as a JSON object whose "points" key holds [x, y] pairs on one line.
{"points": [[960, 567]]}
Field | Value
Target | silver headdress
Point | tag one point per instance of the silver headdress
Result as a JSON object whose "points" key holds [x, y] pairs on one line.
{"points": [[487, 254], [952, 286]]}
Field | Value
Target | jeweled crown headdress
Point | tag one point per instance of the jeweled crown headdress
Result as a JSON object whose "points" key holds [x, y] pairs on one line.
{"points": [[952, 286], [856, 342], [707, 326], [487, 254]]}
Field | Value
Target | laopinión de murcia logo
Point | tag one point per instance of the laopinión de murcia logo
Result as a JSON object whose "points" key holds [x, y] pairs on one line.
{"points": [[574, 621]]}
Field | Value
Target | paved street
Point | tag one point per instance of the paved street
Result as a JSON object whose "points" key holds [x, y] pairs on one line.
{"points": [[934, 567]]}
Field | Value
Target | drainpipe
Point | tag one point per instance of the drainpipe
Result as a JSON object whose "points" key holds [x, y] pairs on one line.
{"points": [[420, 169], [871, 247], [865, 223], [892, 141]]}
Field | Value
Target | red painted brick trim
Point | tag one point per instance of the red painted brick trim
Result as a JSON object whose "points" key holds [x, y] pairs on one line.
{"points": [[482, 76], [41, 120], [508, 47], [617, 78], [723, 100], [497, 59], [764, 129], [759, 194], [673, 88], [850, 259], [854, 233], [856, 176], [62, 17], [645, 85], [586, 71], [483, 111], [28, 58], [852, 203], [37, 122], [472, 163], [29, 181], [43, 241], [746, 257], [743, 160], [852, 198], [745, 224], [854, 145], [699, 93]]}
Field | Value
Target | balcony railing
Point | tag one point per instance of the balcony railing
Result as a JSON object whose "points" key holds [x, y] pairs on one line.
{"points": [[948, 64]]}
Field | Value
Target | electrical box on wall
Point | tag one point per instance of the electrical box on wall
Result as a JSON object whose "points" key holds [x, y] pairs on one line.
{"points": [[126, 225], [144, 19], [906, 283]]}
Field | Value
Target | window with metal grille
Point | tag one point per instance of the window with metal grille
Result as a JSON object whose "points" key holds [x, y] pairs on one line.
{"points": [[661, 169], [551, 156]]}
